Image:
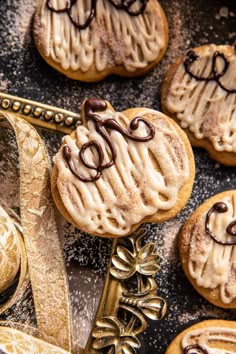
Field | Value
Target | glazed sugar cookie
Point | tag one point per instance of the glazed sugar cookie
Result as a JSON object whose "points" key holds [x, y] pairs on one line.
{"points": [[90, 39], [207, 337], [119, 170], [199, 91], [207, 247]]}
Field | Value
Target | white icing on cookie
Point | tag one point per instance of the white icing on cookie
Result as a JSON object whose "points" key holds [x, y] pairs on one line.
{"points": [[10, 253], [212, 264], [205, 108], [113, 38], [145, 178], [209, 337]]}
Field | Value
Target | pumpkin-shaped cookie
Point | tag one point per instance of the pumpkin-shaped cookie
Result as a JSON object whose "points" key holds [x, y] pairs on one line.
{"points": [[90, 39], [207, 247], [119, 170], [199, 91], [207, 337]]}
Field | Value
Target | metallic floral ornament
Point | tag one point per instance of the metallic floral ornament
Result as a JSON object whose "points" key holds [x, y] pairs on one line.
{"points": [[143, 261], [110, 331], [133, 290]]}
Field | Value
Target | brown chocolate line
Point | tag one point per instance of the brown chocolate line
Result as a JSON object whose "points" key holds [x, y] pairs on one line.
{"points": [[220, 207], [92, 107], [123, 5], [195, 346], [192, 56]]}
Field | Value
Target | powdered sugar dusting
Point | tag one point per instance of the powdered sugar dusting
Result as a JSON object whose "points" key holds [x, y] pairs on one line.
{"points": [[25, 74]]}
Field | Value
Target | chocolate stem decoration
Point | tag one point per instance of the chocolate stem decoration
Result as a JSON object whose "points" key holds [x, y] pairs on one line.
{"points": [[125, 5], [91, 108], [220, 207], [192, 56], [200, 349]]}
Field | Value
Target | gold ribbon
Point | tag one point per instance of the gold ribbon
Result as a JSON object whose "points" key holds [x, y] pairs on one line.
{"points": [[45, 258]]}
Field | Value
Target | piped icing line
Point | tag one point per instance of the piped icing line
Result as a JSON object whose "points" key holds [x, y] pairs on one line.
{"points": [[114, 37], [92, 108], [145, 178], [199, 348], [203, 98], [212, 264], [214, 75], [220, 207], [125, 5], [205, 339]]}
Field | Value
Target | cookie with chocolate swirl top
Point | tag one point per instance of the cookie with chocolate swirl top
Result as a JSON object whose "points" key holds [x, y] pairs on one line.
{"points": [[199, 92], [207, 337], [207, 246], [121, 169], [88, 40]]}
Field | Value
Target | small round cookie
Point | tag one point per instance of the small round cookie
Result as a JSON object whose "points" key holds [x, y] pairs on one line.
{"points": [[199, 92], [207, 246], [119, 170], [89, 40], [207, 337]]}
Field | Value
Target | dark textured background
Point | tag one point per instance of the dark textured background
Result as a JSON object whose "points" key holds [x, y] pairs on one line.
{"points": [[24, 73]]}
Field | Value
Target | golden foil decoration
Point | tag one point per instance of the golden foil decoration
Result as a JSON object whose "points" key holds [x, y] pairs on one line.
{"points": [[129, 296], [45, 260]]}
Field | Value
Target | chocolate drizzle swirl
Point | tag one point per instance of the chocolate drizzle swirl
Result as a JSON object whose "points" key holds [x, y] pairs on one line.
{"points": [[91, 108], [220, 207], [125, 5], [200, 349], [192, 56]]}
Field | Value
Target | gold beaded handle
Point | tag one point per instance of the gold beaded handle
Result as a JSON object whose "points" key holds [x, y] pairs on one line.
{"points": [[41, 115]]}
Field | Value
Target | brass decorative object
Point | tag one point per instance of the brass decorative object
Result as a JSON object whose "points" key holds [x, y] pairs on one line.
{"points": [[41, 115], [129, 297]]}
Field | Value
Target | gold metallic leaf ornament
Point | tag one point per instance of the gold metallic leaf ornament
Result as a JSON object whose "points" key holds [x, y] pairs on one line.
{"points": [[115, 330]]}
